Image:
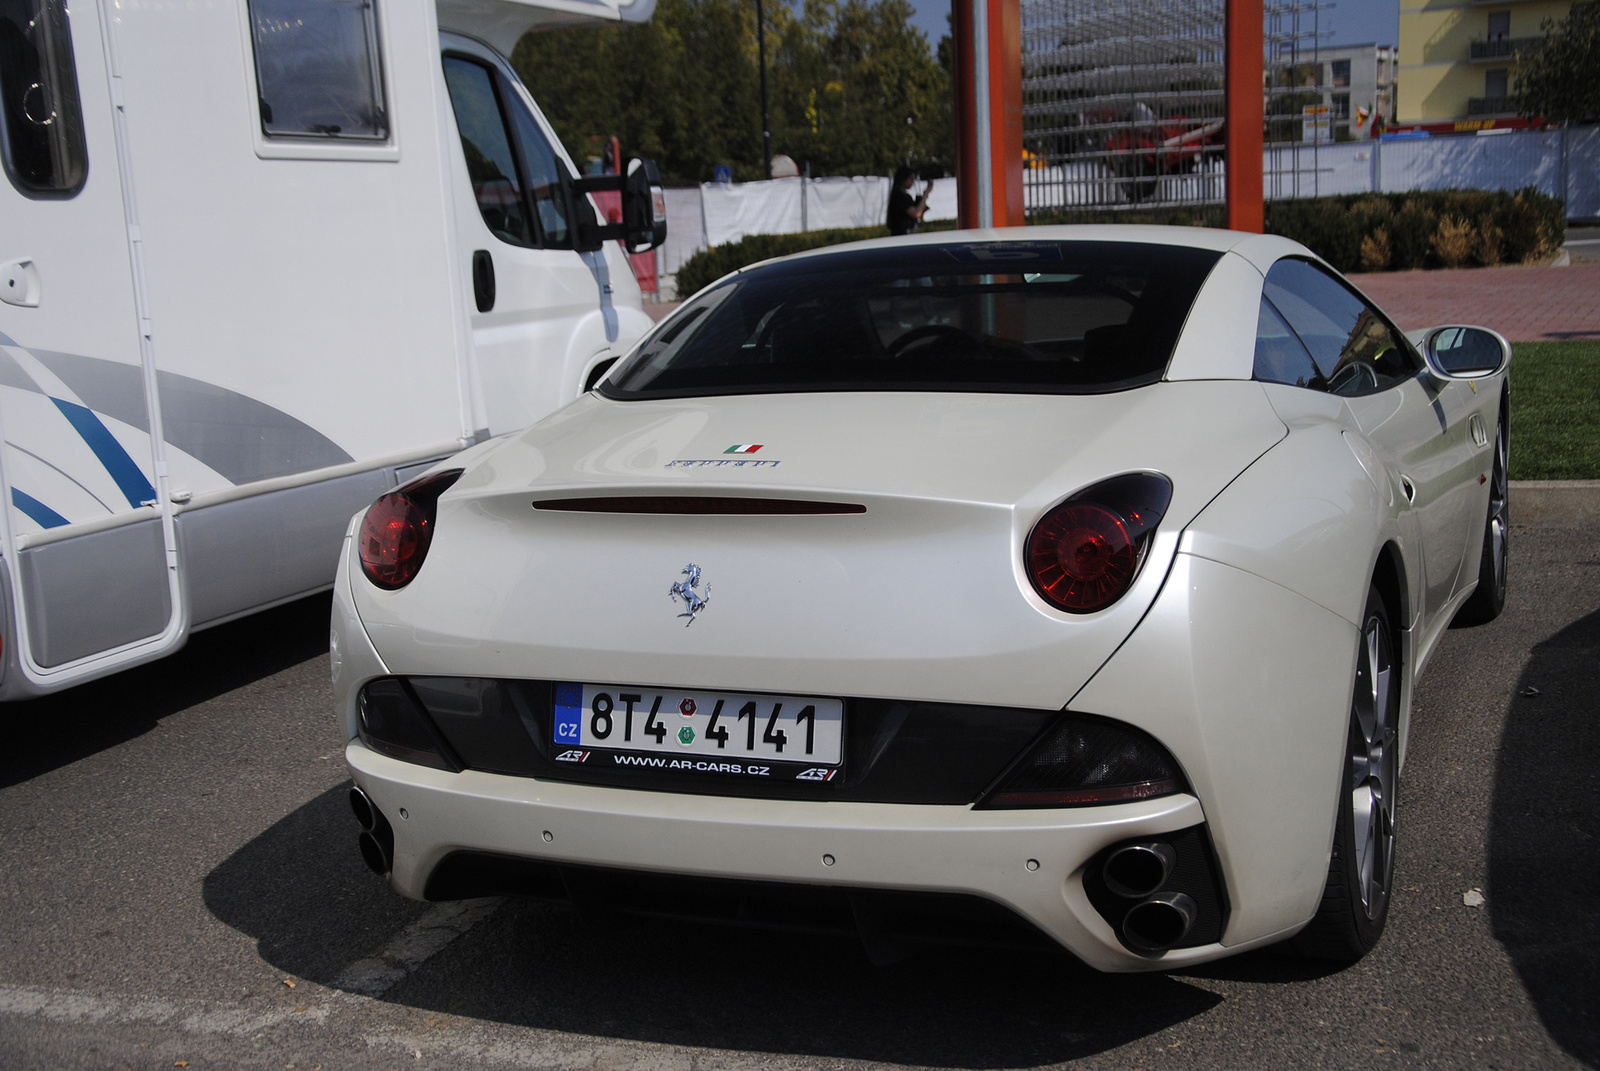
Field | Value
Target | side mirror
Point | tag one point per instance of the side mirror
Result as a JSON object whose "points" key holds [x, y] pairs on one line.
{"points": [[644, 209], [1461, 352]]}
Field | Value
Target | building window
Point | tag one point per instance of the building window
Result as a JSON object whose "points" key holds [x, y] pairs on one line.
{"points": [[1499, 25], [1341, 105], [41, 123], [1494, 82], [318, 74], [1341, 73]]}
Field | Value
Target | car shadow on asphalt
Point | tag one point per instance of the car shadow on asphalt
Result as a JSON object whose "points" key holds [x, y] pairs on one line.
{"points": [[300, 891], [59, 729], [1544, 836]]}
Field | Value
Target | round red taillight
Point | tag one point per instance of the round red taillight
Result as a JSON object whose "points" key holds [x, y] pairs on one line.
{"points": [[394, 539], [1081, 557]]}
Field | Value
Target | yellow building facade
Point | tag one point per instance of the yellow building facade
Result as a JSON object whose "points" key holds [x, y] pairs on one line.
{"points": [[1459, 57]]}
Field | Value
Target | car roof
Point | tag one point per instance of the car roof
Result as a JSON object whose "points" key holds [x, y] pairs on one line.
{"points": [[1260, 249]]}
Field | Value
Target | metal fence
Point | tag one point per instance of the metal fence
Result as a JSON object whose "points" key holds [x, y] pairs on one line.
{"points": [[1123, 101]]}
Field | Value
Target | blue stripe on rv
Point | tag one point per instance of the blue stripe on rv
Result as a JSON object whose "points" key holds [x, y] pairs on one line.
{"points": [[123, 469], [36, 511]]}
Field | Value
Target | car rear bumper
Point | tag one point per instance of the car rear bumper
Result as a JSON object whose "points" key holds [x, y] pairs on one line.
{"points": [[920, 848]]}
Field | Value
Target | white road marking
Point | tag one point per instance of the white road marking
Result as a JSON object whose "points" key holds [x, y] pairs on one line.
{"points": [[192, 1016], [413, 946]]}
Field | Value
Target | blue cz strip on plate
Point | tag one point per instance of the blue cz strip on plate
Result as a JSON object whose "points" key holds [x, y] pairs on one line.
{"points": [[569, 712]]}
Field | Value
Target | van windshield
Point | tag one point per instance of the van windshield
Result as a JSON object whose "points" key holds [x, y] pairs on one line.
{"points": [[1023, 316]]}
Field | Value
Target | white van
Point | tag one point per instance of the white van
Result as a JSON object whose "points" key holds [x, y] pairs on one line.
{"points": [[259, 261]]}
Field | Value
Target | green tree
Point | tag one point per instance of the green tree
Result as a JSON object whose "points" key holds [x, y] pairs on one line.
{"points": [[1561, 81], [854, 87]]}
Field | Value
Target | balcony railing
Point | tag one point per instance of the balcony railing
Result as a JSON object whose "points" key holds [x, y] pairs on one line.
{"points": [[1491, 105], [1505, 48]]}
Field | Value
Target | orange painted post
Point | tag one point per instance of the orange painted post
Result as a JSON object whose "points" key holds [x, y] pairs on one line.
{"points": [[988, 90], [1245, 118], [1005, 107]]}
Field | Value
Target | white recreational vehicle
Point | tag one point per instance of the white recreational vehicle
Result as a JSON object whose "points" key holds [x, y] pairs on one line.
{"points": [[259, 260]]}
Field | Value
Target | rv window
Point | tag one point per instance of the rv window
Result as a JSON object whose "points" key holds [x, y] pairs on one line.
{"points": [[41, 124], [491, 162], [318, 74]]}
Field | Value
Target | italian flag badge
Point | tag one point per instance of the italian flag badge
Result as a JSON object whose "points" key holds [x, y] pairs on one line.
{"points": [[742, 448]]}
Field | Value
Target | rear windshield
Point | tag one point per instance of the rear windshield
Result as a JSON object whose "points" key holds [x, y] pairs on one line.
{"points": [[1031, 317]]}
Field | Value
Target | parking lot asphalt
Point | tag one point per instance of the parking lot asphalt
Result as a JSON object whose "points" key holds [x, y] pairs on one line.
{"points": [[181, 888]]}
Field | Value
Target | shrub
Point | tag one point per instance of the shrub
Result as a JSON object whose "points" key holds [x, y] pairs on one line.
{"points": [[1375, 252], [1527, 225], [1453, 242], [1490, 241]]}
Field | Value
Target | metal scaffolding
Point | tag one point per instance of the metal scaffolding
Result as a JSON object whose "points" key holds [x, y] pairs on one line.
{"points": [[1123, 101]]}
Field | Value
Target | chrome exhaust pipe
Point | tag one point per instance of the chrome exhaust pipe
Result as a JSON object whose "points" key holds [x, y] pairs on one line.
{"points": [[1135, 871], [372, 854], [362, 808], [377, 836], [1159, 923]]}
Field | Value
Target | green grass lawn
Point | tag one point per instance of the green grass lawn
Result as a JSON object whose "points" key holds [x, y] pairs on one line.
{"points": [[1555, 410]]}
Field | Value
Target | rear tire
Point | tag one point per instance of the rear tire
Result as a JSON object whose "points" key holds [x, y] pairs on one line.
{"points": [[1355, 898], [1489, 598]]}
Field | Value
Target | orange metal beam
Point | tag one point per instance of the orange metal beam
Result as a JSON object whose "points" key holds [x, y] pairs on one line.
{"points": [[1245, 118], [988, 91]]}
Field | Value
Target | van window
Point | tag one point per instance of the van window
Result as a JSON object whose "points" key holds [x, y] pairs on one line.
{"points": [[41, 123], [491, 162], [516, 174], [544, 176], [318, 73]]}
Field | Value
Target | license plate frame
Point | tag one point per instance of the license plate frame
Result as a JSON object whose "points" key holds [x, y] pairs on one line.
{"points": [[667, 732]]}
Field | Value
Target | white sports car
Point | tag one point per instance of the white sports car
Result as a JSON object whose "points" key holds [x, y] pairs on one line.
{"points": [[982, 585]]}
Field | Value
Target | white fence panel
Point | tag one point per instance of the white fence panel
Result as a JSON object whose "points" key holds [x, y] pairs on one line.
{"points": [[1583, 172], [845, 202], [1485, 162], [735, 209]]}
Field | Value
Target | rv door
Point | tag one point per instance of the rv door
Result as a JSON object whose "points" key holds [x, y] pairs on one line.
{"points": [[544, 315], [90, 569]]}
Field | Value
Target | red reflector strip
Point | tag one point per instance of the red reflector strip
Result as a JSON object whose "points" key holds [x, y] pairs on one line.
{"points": [[1144, 790], [698, 504]]}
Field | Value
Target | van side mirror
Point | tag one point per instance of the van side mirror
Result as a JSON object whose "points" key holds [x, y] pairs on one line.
{"points": [[1461, 352], [644, 209]]}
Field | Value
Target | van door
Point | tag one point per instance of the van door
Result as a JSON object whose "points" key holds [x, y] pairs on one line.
{"points": [[543, 314], [88, 545]]}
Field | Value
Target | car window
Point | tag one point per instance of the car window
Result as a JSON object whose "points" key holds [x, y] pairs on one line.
{"points": [[491, 162], [318, 73], [40, 118], [1355, 349], [1280, 355], [1024, 316]]}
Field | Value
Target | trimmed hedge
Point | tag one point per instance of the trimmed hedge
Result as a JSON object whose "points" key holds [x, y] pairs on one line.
{"points": [[1432, 229], [1356, 232]]}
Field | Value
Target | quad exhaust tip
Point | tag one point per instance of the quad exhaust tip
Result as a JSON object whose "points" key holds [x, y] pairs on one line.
{"points": [[377, 837], [1160, 922], [1136, 871]]}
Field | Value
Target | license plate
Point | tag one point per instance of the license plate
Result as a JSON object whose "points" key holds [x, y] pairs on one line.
{"points": [[696, 731]]}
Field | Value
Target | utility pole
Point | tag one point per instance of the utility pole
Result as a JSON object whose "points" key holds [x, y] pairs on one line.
{"points": [[766, 117]]}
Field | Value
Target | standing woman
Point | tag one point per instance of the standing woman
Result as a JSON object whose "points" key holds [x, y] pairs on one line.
{"points": [[905, 212]]}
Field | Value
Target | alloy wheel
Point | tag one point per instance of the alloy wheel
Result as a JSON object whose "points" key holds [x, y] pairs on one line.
{"points": [[1374, 761]]}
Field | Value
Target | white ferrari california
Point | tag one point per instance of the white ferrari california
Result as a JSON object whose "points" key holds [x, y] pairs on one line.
{"points": [[1067, 584]]}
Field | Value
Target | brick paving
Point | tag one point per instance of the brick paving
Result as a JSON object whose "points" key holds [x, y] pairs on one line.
{"points": [[1523, 304]]}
